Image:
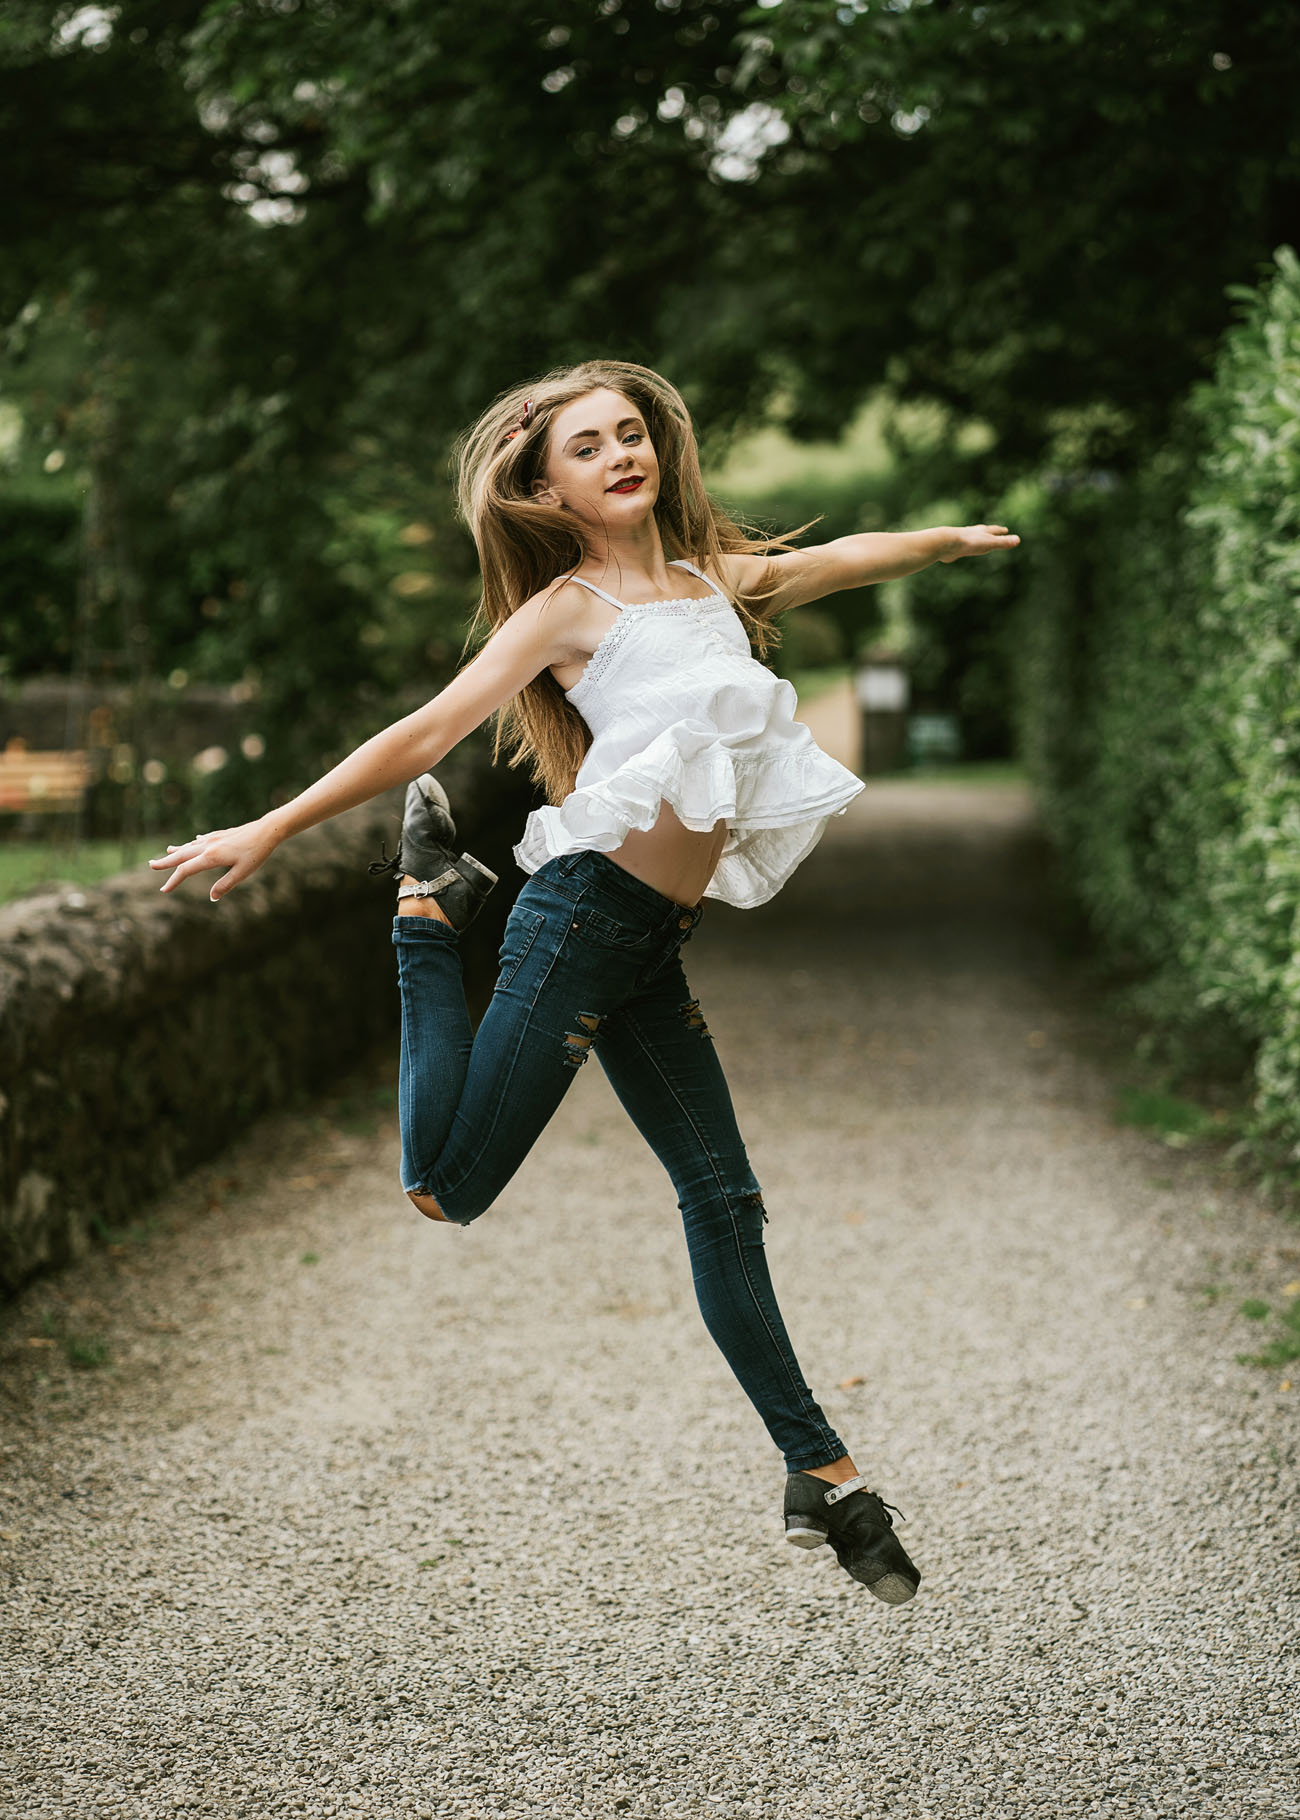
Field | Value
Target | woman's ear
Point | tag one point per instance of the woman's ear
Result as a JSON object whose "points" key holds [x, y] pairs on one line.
{"points": [[543, 491]]}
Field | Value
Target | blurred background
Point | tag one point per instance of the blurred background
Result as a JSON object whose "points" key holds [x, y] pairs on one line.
{"points": [[910, 264]]}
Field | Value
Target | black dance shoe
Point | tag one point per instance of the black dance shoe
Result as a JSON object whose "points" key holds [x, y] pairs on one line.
{"points": [[457, 882], [858, 1527]]}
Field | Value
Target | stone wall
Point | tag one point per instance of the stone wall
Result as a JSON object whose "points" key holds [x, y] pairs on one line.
{"points": [[139, 1032]]}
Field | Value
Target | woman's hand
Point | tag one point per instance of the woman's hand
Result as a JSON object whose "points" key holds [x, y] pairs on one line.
{"points": [[240, 849], [978, 540]]}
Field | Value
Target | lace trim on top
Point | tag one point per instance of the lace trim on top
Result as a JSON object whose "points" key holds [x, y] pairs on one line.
{"points": [[607, 649]]}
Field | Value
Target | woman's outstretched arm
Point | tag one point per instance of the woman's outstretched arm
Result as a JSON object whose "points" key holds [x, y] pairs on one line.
{"points": [[526, 644], [857, 561]]}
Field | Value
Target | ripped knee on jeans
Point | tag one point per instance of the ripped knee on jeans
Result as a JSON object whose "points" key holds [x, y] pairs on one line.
{"points": [[753, 1203], [426, 1204], [693, 1017], [577, 1043]]}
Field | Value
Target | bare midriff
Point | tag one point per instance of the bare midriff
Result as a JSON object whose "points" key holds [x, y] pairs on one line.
{"points": [[673, 860]]}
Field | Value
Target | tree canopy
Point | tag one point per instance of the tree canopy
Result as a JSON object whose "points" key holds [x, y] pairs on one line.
{"points": [[1018, 209], [264, 257]]}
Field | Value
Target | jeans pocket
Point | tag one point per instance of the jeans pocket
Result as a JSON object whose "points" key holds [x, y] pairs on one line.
{"points": [[603, 931], [522, 929]]}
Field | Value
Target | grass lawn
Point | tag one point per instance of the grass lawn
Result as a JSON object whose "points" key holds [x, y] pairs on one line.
{"points": [[768, 459], [28, 864]]}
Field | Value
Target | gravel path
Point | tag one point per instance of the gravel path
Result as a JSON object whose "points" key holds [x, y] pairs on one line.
{"points": [[364, 1516]]}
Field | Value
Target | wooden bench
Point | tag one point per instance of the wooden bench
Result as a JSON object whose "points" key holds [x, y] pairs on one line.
{"points": [[33, 782]]}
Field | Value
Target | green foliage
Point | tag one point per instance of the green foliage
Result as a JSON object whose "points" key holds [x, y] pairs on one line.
{"points": [[809, 684], [1175, 1119], [960, 619], [391, 212], [1160, 718], [843, 623], [1248, 507], [38, 581], [262, 265], [263, 261], [810, 640], [218, 542], [1111, 651], [954, 623], [1039, 207]]}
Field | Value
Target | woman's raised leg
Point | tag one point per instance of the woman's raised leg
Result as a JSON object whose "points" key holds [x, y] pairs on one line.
{"points": [[473, 1104], [429, 907]]}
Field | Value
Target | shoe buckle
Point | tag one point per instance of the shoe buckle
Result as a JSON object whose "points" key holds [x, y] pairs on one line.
{"points": [[837, 1492], [426, 887]]}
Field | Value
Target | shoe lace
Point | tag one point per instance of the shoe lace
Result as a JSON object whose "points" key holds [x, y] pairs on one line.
{"points": [[381, 865], [897, 1512]]}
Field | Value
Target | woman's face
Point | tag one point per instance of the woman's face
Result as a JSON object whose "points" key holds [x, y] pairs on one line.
{"points": [[600, 462]]}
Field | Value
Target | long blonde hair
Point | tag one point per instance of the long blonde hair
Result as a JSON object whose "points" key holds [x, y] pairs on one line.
{"points": [[525, 544]]}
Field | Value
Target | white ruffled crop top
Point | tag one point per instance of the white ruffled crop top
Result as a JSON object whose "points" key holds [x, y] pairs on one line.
{"points": [[681, 712]]}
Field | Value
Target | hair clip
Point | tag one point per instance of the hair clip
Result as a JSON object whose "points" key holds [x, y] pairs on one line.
{"points": [[523, 423]]}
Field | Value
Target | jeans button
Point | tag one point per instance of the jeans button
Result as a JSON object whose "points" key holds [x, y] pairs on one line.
{"points": [[684, 922]]}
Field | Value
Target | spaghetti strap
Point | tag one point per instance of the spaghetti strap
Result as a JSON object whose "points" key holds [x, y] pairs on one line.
{"points": [[594, 589], [680, 562], [674, 562]]}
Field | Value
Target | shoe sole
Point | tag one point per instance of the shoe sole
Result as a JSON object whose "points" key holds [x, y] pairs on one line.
{"points": [[894, 1589], [890, 1589]]}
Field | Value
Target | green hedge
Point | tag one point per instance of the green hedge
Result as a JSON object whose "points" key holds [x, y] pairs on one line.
{"points": [[961, 648], [1159, 711]]}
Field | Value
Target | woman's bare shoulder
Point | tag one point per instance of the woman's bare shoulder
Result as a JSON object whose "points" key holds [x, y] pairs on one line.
{"points": [[569, 619], [561, 599], [737, 572]]}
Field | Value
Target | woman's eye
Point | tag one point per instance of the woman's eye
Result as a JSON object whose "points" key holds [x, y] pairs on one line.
{"points": [[591, 449]]}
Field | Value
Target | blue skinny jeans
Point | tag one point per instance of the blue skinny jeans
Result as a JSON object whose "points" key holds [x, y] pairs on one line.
{"points": [[591, 962]]}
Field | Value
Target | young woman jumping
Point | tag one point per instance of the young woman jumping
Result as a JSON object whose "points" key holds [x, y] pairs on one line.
{"points": [[674, 771]]}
